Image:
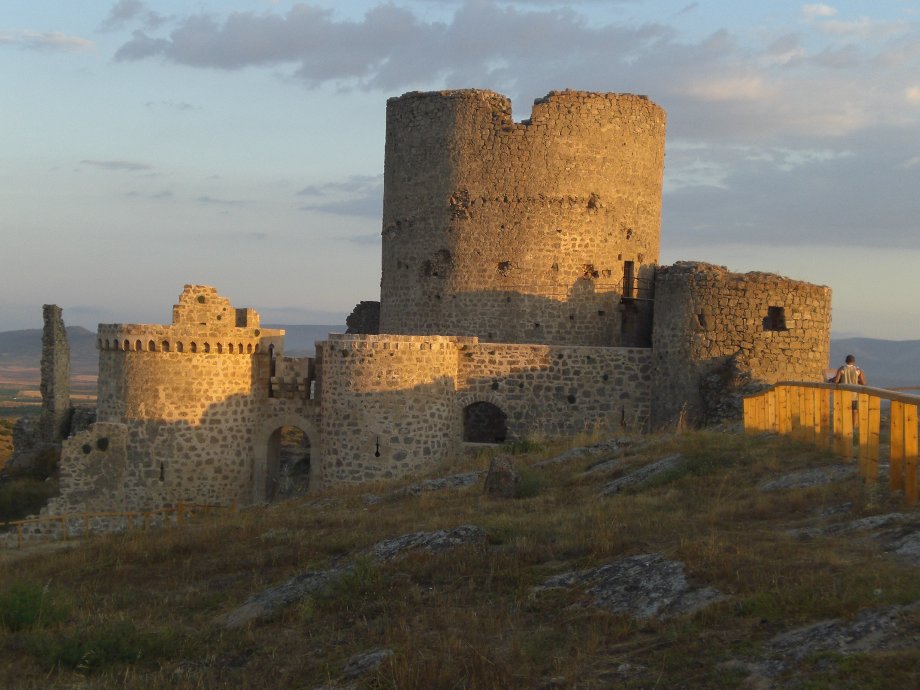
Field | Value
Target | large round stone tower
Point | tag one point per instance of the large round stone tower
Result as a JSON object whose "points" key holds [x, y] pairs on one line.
{"points": [[543, 231]]}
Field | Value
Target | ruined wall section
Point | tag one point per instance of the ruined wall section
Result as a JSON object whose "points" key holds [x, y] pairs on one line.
{"points": [[55, 377], [710, 322], [93, 469], [558, 390], [392, 395], [518, 232]]}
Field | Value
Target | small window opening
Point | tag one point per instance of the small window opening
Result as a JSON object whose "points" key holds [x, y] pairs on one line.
{"points": [[165, 346], [775, 319], [152, 346]]}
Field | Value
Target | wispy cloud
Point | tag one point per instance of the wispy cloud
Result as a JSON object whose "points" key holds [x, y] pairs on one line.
{"points": [[126, 12], [215, 201], [170, 105], [818, 10], [359, 195], [45, 41], [162, 195], [118, 165]]}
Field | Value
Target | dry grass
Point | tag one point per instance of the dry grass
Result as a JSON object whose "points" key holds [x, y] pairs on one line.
{"points": [[467, 618]]}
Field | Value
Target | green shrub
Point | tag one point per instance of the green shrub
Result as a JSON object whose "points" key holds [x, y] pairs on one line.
{"points": [[529, 484], [91, 649], [524, 445], [25, 605], [21, 497]]}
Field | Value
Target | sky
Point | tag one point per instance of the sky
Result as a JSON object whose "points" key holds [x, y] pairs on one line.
{"points": [[239, 143]]}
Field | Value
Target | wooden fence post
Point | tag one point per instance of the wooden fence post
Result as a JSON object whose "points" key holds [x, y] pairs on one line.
{"points": [[896, 451], [808, 422], [749, 422], [825, 416], [910, 454], [771, 411], [875, 426], [863, 405]]}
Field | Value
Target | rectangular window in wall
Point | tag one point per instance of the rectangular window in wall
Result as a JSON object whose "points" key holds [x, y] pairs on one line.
{"points": [[775, 319]]}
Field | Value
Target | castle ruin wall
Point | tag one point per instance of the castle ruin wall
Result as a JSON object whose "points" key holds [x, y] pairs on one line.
{"points": [[773, 327]]}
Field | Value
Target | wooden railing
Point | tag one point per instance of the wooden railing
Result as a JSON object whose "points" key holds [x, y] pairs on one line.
{"points": [[822, 414], [139, 519]]}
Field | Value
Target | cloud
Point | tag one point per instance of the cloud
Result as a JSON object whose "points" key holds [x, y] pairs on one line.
{"points": [[125, 166], [818, 10], [745, 88], [359, 195], [912, 94], [45, 41], [126, 12], [162, 195], [214, 201], [171, 105]]}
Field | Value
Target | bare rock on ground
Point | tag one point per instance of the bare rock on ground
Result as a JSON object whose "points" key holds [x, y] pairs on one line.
{"points": [[432, 542], [271, 600], [456, 481], [817, 476], [643, 475], [643, 586], [365, 662], [604, 449], [502, 479], [892, 627]]}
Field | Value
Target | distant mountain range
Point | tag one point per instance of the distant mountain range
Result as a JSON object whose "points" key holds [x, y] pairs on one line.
{"points": [[887, 363]]}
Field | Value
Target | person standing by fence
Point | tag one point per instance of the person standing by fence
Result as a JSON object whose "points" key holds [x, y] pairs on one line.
{"points": [[852, 375]]}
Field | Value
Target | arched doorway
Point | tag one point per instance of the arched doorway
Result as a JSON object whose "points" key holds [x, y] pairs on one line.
{"points": [[287, 470], [484, 422]]}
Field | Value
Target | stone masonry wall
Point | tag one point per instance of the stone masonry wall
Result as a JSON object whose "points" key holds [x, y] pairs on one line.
{"points": [[93, 468], [397, 391], [558, 390], [408, 394], [774, 327], [55, 377], [190, 395], [518, 232]]}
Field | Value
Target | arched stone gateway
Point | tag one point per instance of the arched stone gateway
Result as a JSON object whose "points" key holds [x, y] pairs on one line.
{"points": [[286, 449], [484, 422]]}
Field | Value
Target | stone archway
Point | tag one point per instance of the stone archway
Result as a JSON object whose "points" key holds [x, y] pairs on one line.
{"points": [[277, 446], [484, 422]]}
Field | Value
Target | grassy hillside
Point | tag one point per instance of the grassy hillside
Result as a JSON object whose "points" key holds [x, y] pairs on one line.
{"points": [[144, 610]]}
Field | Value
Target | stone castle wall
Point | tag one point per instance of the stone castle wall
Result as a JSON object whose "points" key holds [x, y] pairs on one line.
{"points": [[386, 394], [773, 327], [557, 390], [518, 232], [405, 396]]}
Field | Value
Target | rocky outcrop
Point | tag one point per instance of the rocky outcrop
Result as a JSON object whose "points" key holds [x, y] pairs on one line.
{"points": [[643, 586]]}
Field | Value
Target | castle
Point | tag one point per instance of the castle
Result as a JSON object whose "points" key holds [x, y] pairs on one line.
{"points": [[520, 294]]}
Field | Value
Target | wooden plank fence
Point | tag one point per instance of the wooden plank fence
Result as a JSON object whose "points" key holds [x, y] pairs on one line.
{"points": [[822, 414], [139, 519]]}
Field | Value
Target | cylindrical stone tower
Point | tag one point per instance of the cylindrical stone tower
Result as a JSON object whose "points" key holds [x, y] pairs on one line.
{"points": [[190, 395], [528, 232]]}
